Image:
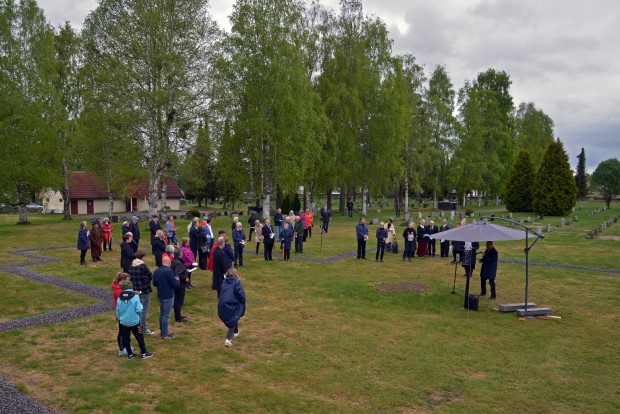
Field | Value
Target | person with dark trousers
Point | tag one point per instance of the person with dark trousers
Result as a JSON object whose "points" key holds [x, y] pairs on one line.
{"points": [[141, 277], [381, 235], [469, 258], [154, 225], [397, 207], [135, 230], [238, 236], [159, 247], [326, 216], [278, 222], [128, 310], [409, 236], [252, 221], [361, 231], [231, 304], [83, 243], [193, 236], [299, 235], [350, 205], [432, 229], [268, 239], [445, 244], [180, 271], [422, 233], [219, 265], [229, 253], [287, 238], [203, 248], [488, 270], [166, 282], [458, 247], [127, 252]]}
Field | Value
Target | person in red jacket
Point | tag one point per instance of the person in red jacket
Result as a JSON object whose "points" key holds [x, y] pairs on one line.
{"points": [[117, 290], [107, 229]]}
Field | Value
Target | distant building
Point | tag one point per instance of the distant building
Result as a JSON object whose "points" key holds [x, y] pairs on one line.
{"points": [[89, 196]]}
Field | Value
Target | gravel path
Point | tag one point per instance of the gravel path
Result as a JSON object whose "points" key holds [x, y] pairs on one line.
{"points": [[14, 402]]}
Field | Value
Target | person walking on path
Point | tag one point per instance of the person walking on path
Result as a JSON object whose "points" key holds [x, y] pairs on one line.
{"points": [[231, 304], [361, 231], [409, 236], [107, 228], [141, 277], [488, 271], [382, 235], [166, 281], [83, 242], [128, 310]]}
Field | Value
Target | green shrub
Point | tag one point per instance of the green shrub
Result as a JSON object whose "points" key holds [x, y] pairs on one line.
{"points": [[193, 213], [296, 203], [287, 204], [520, 186]]}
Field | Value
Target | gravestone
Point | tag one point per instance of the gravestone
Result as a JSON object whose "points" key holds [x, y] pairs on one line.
{"points": [[375, 221], [419, 215], [570, 220], [461, 215], [441, 214], [510, 216], [576, 218], [520, 221], [604, 226], [452, 215], [407, 216], [529, 219], [548, 228], [562, 221], [573, 209], [432, 214], [539, 229], [534, 312]]}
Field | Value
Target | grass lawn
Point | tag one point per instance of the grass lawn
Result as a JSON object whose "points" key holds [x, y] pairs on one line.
{"points": [[322, 338]]}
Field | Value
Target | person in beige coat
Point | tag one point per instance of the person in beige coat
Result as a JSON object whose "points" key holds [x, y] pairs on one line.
{"points": [[258, 229], [391, 231]]}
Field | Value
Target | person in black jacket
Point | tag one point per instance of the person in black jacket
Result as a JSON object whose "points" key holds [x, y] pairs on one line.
{"points": [[432, 229], [203, 248], [127, 252], [253, 217], [180, 271], [141, 277], [422, 238], [445, 244], [194, 236], [458, 247], [135, 230], [409, 236], [488, 270], [154, 225], [326, 216], [159, 247], [219, 265], [381, 238], [165, 281], [268, 239]]}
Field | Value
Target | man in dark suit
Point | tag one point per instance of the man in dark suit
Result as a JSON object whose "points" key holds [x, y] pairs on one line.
{"points": [[488, 270], [135, 230], [432, 229], [268, 239], [154, 226], [445, 244]]}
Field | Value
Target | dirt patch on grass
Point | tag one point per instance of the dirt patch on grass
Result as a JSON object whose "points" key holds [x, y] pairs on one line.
{"points": [[410, 287], [614, 238]]}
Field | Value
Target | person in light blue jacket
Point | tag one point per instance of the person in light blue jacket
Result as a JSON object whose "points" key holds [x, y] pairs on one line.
{"points": [[128, 310]]}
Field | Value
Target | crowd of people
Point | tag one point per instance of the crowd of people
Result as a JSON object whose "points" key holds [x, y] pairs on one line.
{"points": [[202, 249]]}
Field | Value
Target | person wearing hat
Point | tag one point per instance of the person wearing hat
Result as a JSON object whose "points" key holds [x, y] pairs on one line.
{"points": [[95, 236], [382, 235], [128, 310], [135, 230]]}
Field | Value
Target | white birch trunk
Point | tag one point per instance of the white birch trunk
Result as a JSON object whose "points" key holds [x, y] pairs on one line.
{"points": [[406, 193], [266, 205], [364, 201]]}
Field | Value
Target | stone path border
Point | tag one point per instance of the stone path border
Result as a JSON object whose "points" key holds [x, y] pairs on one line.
{"points": [[14, 401]]}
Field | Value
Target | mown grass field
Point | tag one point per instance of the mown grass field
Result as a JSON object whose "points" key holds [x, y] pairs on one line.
{"points": [[321, 338]]}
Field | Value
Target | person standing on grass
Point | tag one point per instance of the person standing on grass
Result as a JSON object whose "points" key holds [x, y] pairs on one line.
{"points": [[350, 205], [488, 270], [382, 235], [390, 228], [128, 254], [194, 236], [171, 231], [422, 238], [154, 226], [83, 242], [444, 244], [117, 289], [278, 222], [106, 229], [326, 216], [287, 238], [95, 236], [231, 304], [182, 274], [141, 277], [128, 310], [308, 224], [432, 243], [361, 230], [134, 228], [219, 265], [166, 281], [238, 236], [258, 228], [269, 239], [203, 248], [409, 236], [159, 247], [299, 235], [458, 247]]}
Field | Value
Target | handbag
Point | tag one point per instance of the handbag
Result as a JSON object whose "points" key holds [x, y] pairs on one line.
{"points": [[204, 249], [395, 247]]}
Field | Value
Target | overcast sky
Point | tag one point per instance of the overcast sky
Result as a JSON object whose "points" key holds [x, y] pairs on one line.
{"points": [[563, 55]]}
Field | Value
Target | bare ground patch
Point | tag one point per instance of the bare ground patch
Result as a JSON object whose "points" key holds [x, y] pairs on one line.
{"points": [[410, 287], [614, 238]]}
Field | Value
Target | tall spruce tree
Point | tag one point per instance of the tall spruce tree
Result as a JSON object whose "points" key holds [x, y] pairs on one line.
{"points": [[520, 186], [581, 178], [555, 192], [534, 131]]}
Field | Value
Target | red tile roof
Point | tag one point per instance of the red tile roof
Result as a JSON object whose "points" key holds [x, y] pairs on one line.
{"points": [[86, 185]]}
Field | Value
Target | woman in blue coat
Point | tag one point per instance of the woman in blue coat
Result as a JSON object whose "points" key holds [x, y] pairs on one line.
{"points": [[286, 235], [83, 243], [488, 270], [231, 304]]}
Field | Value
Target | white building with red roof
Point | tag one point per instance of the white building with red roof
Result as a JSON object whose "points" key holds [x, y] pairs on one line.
{"points": [[88, 195]]}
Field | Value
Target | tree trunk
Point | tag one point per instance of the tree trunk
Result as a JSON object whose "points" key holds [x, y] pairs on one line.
{"points": [[479, 198], [266, 205], [328, 198], [305, 197], [341, 202], [153, 196], [66, 201], [435, 205], [464, 198], [164, 194], [406, 194], [278, 197], [364, 201], [311, 197], [497, 200]]}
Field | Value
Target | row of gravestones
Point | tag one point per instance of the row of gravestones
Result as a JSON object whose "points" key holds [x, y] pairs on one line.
{"points": [[597, 211], [602, 227]]}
